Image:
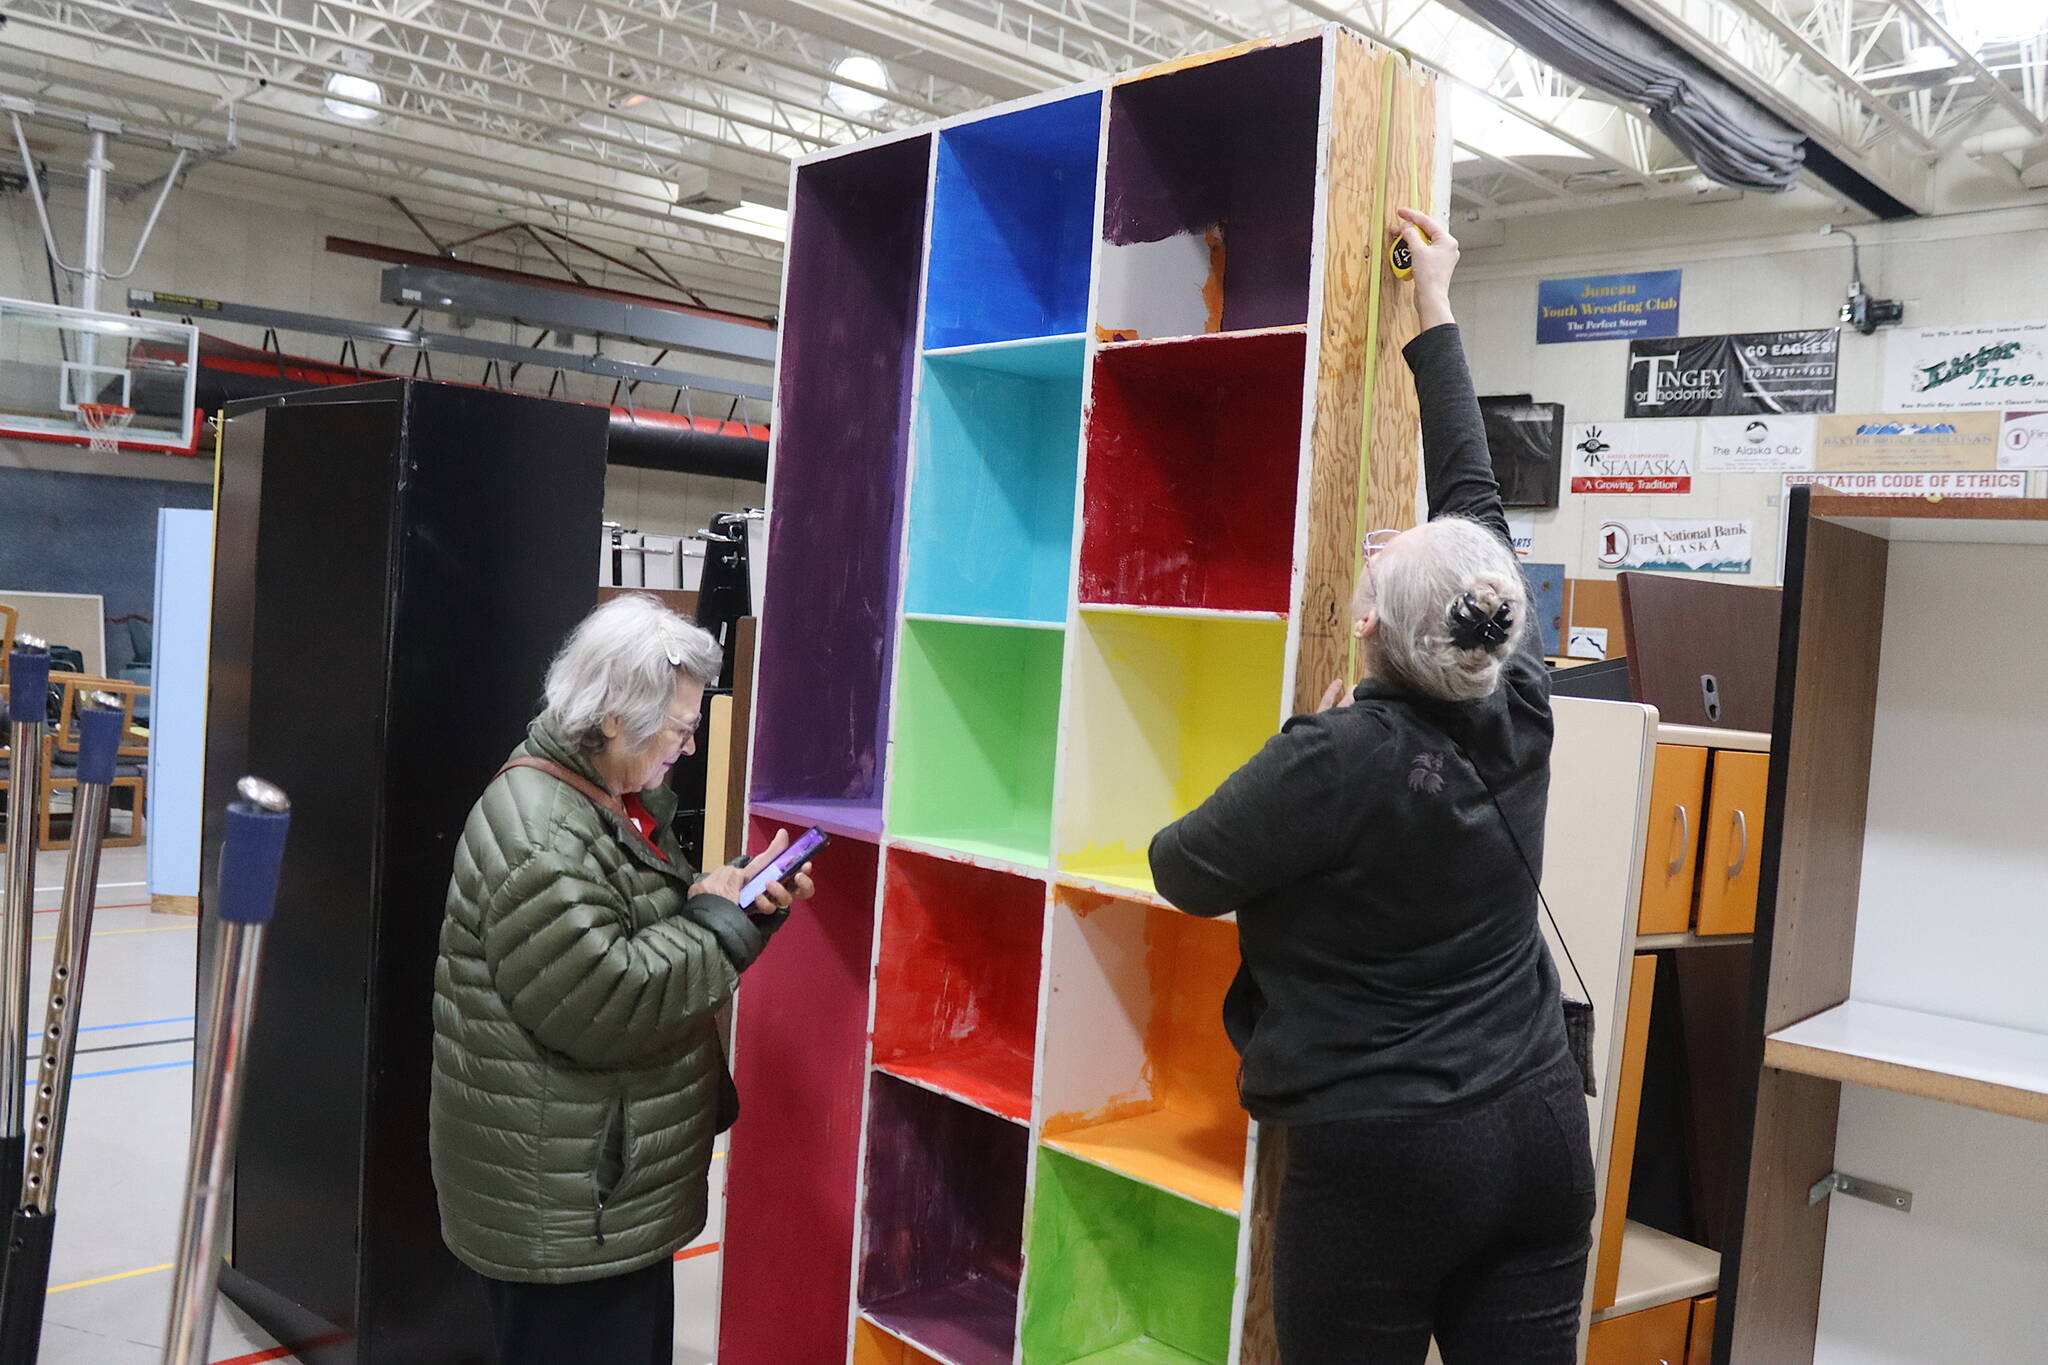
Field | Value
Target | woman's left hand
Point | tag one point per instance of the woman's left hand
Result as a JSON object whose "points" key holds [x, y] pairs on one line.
{"points": [[1335, 697]]}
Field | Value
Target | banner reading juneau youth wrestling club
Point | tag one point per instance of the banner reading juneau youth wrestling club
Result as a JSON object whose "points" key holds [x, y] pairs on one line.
{"points": [[1733, 375]]}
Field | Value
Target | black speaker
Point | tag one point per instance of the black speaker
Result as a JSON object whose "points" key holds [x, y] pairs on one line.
{"points": [[396, 563]]}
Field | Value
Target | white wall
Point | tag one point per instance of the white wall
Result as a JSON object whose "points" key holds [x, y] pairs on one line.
{"points": [[214, 241], [1973, 268]]}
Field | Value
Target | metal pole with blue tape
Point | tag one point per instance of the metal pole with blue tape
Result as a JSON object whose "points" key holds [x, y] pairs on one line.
{"points": [[33, 1228], [251, 857], [28, 692]]}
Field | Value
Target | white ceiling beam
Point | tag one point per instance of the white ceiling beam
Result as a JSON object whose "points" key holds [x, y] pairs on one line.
{"points": [[670, 19], [956, 49], [755, 163], [1993, 86]]}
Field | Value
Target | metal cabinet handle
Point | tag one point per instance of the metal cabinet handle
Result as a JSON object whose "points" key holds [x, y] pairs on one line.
{"points": [[1742, 854], [1684, 841]]}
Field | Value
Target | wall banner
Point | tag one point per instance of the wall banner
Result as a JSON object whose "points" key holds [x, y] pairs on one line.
{"points": [[1737, 374], [2023, 441], [1632, 457], [1756, 445], [1608, 307], [2000, 366], [1924, 440], [1916, 484], [1898, 484], [1704, 546]]}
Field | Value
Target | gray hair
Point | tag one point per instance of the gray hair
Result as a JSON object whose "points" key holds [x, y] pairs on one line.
{"points": [[1416, 582], [622, 661]]}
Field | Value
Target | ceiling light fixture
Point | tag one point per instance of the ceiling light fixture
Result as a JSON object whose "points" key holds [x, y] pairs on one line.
{"points": [[352, 94], [865, 71]]}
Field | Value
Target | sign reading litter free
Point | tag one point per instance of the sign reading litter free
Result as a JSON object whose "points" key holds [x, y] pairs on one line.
{"points": [[2002, 366], [1608, 307]]}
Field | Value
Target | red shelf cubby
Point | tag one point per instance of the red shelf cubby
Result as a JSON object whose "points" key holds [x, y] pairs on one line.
{"points": [[957, 979], [1193, 460]]}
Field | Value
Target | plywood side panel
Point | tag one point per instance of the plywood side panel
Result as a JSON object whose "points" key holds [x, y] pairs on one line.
{"points": [[1394, 458], [1351, 253]]}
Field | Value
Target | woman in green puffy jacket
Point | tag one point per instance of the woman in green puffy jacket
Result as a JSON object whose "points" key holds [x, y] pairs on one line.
{"points": [[578, 1076]]}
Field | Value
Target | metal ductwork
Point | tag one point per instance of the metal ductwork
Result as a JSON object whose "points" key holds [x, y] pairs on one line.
{"points": [[640, 438]]}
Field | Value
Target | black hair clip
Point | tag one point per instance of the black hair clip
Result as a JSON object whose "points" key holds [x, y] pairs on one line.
{"points": [[1473, 628]]}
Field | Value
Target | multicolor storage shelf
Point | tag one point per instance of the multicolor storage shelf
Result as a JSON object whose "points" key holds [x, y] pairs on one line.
{"points": [[1068, 478]]}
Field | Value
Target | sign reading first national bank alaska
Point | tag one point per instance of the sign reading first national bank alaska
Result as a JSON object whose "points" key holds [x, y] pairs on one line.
{"points": [[1608, 307]]}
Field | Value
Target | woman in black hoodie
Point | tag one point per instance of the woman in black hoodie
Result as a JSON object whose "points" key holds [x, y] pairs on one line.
{"points": [[1397, 1010]]}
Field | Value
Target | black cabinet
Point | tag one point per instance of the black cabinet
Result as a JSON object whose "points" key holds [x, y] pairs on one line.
{"points": [[396, 564]]}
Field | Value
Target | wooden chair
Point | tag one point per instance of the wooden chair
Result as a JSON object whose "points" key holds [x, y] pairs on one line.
{"points": [[60, 757], [9, 618]]}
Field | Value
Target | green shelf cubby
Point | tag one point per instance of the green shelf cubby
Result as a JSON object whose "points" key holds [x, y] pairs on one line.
{"points": [[978, 712], [1120, 1273]]}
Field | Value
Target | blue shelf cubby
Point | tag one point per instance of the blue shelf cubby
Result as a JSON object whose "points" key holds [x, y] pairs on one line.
{"points": [[992, 501], [1013, 225]]}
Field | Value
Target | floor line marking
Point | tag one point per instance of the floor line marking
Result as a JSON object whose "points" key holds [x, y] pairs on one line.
{"points": [[258, 1357], [692, 1253], [110, 933], [124, 905], [121, 1071], [103, 886], [109, 1279], [138, 1023]]}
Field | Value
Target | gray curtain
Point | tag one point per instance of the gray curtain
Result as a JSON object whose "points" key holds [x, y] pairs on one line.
{"points": [[1728, 135]]}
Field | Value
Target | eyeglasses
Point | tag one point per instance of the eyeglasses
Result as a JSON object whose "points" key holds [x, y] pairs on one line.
{"points": [[1371, 546]]}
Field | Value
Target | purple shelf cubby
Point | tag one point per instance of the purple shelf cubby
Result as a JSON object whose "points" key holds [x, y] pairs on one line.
{"points": [[1209, 200], [841, 434]]}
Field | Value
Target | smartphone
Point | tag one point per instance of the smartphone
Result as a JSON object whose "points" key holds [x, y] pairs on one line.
{"points": [[786, 865]]}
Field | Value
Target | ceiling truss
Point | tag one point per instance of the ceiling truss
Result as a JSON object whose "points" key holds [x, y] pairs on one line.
{"points": [[596, 117]]}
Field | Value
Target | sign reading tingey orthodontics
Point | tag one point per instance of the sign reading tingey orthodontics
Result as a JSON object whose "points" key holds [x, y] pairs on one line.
{"points": [[1734, 375], [1998, 366], [1608, 307]]}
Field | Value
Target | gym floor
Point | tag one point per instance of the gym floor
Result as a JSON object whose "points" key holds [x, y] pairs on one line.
{"points": [[123, 1169]]}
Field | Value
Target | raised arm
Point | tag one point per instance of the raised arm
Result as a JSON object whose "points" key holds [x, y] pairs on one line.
{"points": [[1456, 467]]}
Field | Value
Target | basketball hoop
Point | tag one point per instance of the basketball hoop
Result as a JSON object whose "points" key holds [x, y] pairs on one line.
{"points": [[106, 422]]}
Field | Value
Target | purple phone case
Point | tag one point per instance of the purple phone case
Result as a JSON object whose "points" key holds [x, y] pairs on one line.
{"points": [[786, 864]]}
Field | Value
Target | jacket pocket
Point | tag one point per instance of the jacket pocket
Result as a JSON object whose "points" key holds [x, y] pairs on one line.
{"points": [[609, 1172]]}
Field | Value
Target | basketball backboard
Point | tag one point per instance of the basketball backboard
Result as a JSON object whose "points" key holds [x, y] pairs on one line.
{"points": [[54, 359]]}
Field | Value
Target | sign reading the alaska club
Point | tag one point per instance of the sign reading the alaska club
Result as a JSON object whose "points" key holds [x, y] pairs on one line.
{"points": [[2000, 366], [1734, 375], [1632, 457], [1608, 307], [1920, 440]]}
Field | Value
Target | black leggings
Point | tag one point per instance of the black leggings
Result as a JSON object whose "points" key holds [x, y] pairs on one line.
{"points": [[1472, 1226], [619, 1320]]}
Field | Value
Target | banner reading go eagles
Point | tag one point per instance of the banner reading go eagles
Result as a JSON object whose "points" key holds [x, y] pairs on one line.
{"points": [[2001, 366], [1734, 375]]}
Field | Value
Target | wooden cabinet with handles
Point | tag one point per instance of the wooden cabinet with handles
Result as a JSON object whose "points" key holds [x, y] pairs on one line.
{"points": [[1671, 859], [1735, 831], [1655, 1336]]}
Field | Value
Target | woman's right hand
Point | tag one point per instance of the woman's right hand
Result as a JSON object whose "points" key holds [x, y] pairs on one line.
{"points": [[1435, 253], [728, 882]]}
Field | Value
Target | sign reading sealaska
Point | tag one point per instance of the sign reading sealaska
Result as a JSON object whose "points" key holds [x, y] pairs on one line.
{"points": [[2004, 365], [1608, 307], [1632, 457]]}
